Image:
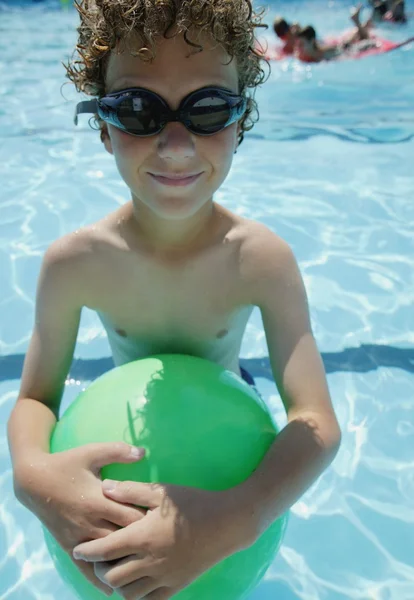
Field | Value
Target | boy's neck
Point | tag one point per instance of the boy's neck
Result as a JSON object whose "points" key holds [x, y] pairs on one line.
{"points": [[179, 235]]}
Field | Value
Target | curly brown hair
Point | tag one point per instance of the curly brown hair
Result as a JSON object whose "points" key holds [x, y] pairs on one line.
{"points": [[105, 24]]}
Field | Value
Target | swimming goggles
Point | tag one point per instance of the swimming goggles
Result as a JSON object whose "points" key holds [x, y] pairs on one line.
{"points": [[141, 112]]}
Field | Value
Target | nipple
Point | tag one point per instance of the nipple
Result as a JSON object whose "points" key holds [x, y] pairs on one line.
{"points": [[222, 333], [121, 332]]}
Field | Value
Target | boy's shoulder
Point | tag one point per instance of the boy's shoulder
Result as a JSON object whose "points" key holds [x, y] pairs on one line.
{"points": [[259, 244], [80, 247], [265, 258], [75, 262], [270, 274]]}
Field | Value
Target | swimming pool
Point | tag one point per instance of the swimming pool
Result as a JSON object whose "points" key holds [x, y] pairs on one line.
{"points": [[329, 167]]}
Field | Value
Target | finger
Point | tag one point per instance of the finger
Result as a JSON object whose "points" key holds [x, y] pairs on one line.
{"points": [[112, 547], [101, 454], [88, 571], [123, 515], [149, 495], [138, 589], [102, 529], [160, 594], [123, 572], [99, 530]]}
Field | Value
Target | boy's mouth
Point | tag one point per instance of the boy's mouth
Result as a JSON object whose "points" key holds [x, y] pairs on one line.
{"points": [[175, 179]]}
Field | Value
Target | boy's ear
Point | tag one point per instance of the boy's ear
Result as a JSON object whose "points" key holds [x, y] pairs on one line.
{"points": [[105, 139]]}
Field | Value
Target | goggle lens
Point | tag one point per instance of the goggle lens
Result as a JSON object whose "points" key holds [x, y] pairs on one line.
{"points": [[142, 113]]}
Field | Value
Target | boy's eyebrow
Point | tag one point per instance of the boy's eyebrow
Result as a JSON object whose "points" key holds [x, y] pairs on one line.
{"points": [[130, 82], [122, 84]]}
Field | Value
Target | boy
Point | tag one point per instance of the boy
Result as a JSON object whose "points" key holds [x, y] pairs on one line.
{"points": [[169, 271]]}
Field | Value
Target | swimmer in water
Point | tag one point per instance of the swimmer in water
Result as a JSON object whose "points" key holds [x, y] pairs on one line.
{"points": [[287, 33], [396, 13], [389, 11], [379, 10], [308, 49]]}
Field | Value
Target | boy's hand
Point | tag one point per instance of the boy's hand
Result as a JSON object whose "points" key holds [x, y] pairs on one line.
{"points": [[64, 490], [184, 533]]}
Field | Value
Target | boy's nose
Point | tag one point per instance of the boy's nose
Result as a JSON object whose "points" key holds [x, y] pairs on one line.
{"points": [[175, 142]]}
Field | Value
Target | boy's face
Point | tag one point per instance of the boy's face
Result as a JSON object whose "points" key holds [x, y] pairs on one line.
{"points": [[145, 164]]}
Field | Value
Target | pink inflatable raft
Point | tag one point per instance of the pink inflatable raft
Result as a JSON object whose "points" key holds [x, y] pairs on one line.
{"points": [[358, 51]]}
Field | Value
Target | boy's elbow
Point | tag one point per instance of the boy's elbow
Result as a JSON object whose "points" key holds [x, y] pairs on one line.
{"points": [[333, 439], [329, 439], [323, 424], [326, 432]]}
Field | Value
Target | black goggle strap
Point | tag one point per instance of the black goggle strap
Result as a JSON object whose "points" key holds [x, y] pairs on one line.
{"points": [[86, 106], [240, 107]]}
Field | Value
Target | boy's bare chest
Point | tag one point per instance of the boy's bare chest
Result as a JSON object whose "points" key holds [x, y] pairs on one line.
{"points": [[198, 300]]}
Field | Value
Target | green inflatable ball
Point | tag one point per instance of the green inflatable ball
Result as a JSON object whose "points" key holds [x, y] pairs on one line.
{"points": [[201, 426]]}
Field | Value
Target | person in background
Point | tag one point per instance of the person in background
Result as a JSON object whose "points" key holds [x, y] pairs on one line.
{"points": [[396, 13], [384, 10], [379, 10], [287, 33], [308, 49]]}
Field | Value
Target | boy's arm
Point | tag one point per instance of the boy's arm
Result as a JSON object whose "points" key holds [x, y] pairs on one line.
{"points": [[44, 482], [62, 289], [309, 442], [48, 358]]}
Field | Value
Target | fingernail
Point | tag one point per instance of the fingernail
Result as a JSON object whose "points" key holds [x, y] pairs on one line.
{"points": [[137, 452], [109, 485]]}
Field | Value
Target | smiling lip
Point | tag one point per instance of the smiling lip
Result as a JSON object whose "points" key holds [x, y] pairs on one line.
{"points": [[175, 179]]}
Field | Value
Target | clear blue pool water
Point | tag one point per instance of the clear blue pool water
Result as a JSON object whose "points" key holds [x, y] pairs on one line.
{"points": [[329, 167]]}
